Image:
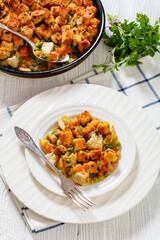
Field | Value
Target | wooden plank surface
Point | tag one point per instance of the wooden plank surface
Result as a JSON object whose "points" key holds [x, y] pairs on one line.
{"points": [[140, 223]]}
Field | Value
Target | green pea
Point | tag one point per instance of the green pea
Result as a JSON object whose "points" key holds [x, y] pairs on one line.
{"points": [[56, 134], [68, 160], [36, 49], [39, 44]]}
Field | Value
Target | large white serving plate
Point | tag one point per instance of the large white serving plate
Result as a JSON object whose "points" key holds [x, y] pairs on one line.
{"points": [[48, 121], [113, 203]]}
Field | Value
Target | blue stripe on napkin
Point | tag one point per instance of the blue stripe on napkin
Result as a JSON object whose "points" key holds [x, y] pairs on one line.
{"points": [[145, 78], [9, 112], [87, 80], [150, 104], [118, 82], [48, 228], [95, 71]]}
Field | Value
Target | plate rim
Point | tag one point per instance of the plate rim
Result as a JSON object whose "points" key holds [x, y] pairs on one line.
{"points": [[84, 86]]}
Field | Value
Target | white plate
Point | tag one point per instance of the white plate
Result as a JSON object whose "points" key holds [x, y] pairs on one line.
{"points": [[117, 201], [48, 121]]}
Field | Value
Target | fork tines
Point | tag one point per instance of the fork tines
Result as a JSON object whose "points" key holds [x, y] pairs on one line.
{"points": [[78, 198]]}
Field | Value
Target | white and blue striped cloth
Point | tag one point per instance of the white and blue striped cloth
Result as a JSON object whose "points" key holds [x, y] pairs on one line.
{"points": [[140, 83]]}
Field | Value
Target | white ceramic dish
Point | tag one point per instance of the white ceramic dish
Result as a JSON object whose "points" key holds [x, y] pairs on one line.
{"points": [[48, 121], [117, 201]]}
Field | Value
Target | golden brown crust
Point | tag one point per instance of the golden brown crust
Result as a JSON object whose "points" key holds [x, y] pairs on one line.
{"points": [[71, 24], [83, 156]]}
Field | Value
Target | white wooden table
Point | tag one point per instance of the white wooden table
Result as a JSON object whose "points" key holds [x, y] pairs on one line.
{"points": [[141, 222]]}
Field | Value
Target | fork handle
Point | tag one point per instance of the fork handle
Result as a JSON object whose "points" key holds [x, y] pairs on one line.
{"points": [[27, 140]]}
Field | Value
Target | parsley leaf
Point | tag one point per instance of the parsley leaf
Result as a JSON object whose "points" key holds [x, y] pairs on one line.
{"points": [[130, 41]]}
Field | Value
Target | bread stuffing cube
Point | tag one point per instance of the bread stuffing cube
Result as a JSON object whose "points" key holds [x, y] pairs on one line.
{"points": [[13, 4], [93, 30], [55, 11], [12, 22], [47, 33], [63, 11], [59, 150], [24, 17], [67, 37], [91, 10], [110, 155], [77, 2], [7, 45], [23, 8], [66, 138], [84, 118], [61, 20], [87, 130], [65, 2], [39, 30], [28, 2], [96, 154], [104, 128], [84, 45], [72, 8], [40, 15], [85, 19], [6, 36], [95, 122], [76, 39], [83, 156], [55, 3], [44, 2], [87, 2], [90, 167], [18, 41], [26, 31], [94, 21], [3, 53], [56, 37], [79, 144]]}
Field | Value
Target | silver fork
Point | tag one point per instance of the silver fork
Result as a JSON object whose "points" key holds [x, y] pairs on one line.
{"points": [[69, 188]]}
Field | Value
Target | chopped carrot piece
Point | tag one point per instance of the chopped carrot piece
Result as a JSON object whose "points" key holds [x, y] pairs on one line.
{"points": [[105, 162], [76, 123], [75, 133], [23, 51], [24, 65], [101, 172], [105, 168], [60, 51], [34, 40], [53, 55], [79, 168], [48, 147], [69, 51]]}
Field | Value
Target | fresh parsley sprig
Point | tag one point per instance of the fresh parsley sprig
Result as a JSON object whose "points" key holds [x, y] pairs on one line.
{"points": [[130, 41]]}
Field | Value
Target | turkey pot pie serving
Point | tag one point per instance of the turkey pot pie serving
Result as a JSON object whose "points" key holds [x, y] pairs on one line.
{"points": [[69, 24], [82, 148]]}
